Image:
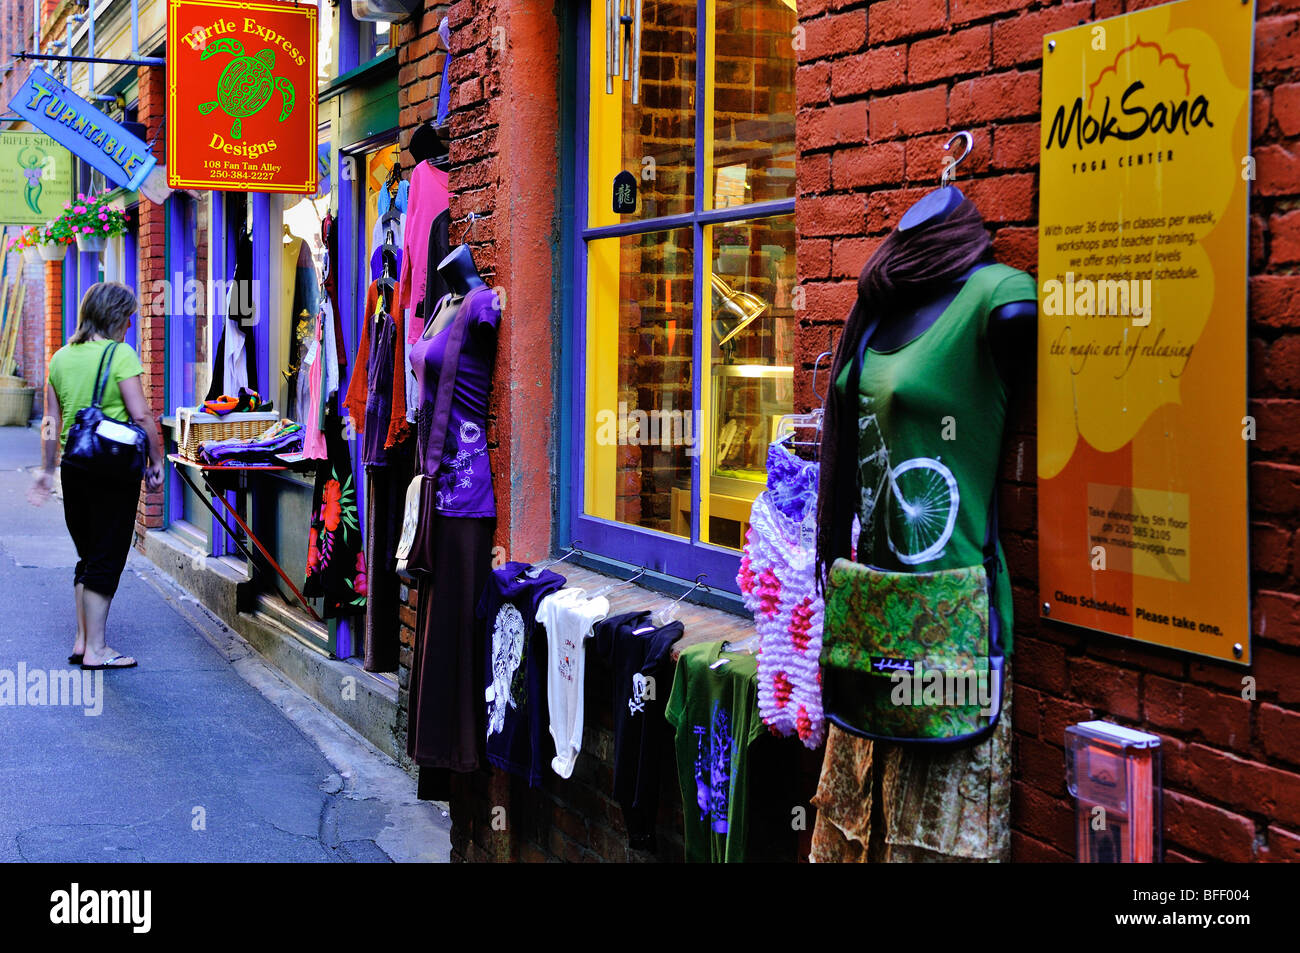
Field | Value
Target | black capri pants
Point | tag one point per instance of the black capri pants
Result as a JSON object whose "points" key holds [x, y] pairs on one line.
{"points": [[101, 518]]}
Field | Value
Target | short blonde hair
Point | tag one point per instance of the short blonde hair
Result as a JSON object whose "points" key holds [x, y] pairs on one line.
{"points": [[106, 310]]}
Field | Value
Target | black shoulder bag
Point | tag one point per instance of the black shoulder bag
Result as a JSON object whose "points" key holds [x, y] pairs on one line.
{"points": [[111, 449]]}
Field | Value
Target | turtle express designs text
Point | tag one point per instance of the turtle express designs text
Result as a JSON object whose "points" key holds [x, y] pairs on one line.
{"points": [[198, 37]]}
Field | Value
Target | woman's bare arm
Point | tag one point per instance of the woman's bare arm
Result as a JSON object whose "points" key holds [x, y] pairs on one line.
{"points": [[132, 389], [51, 428]]}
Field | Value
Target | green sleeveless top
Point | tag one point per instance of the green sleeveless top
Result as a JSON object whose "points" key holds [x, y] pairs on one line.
{"points": [[930, 422]]}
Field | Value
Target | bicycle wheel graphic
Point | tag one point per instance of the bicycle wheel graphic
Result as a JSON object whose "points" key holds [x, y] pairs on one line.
{"points": [[924, 511]]}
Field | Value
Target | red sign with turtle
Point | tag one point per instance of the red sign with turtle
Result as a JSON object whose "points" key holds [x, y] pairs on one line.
{"points": [[241, 96]]}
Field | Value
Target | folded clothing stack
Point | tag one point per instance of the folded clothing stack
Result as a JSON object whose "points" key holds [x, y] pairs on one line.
{"points": [[282, 437]]}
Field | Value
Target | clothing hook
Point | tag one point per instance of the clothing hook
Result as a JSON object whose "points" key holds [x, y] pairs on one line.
{"points": [[950, 166], [817, 364], [536, 571]]}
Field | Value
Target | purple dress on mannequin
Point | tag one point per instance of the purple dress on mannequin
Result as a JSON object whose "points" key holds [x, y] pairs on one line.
{"points": [[453, 547], [464, 481]]}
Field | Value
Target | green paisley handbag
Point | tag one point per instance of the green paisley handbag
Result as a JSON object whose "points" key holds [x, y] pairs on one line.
{"points": [[909, 657]]}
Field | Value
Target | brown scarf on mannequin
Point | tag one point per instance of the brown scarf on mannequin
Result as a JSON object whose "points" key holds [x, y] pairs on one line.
{"points": [[909, 268]]}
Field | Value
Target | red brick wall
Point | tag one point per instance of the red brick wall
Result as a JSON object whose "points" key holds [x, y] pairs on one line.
{"points": [[16, 22], [53, 308], [881, 86], [152, 265]]}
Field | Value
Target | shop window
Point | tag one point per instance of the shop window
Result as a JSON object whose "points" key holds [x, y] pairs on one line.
{"points": [[376, 38], [189, 341], [688, 246]]}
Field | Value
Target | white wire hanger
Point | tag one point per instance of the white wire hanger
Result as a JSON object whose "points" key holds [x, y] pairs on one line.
{"points": [[606, 590], [667, 612], [532, 572]]}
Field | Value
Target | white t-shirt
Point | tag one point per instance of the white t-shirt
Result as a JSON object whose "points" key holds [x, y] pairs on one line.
{"points": [[569, 617]]}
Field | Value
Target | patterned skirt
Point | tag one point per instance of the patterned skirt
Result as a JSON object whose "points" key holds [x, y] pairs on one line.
{"points": [[886, 803]]}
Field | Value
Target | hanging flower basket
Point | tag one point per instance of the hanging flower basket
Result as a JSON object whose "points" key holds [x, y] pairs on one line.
{"points": [[26, 241], [52, 251], [91, 221], [92, 241]]}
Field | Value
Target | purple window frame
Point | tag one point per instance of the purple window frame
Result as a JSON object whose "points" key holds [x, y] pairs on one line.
{"points": [[664, 553]]}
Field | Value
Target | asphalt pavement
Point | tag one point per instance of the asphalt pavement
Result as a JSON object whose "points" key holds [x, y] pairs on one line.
{"points": [[203, 753]]}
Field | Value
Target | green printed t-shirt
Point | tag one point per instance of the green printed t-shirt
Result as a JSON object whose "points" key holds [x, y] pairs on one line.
{"points": [[72, 375], [715, 714], [933, 411]]}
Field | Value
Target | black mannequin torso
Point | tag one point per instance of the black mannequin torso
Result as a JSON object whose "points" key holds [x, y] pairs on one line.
{"points": [[462, 277], [426, 145], [1012, 327], [459, 271]]}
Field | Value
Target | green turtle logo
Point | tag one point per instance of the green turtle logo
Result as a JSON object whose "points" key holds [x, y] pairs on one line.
{"points": [[246, 84]]}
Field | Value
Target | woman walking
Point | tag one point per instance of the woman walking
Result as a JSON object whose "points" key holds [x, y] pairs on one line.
{"points": [[100, 514]]}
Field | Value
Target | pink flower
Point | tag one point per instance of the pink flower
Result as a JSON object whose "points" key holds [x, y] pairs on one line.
{"points": [[103, 216], [86, 229], [67, 205], [80, 210], [106, 227], [80, 196]]}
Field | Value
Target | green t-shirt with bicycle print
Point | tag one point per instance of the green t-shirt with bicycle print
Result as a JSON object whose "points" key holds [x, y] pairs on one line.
{"points": [[931, 418]]}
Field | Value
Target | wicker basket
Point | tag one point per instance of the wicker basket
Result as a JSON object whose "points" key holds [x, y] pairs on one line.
{"points": [[16, 406], [194, 426]]}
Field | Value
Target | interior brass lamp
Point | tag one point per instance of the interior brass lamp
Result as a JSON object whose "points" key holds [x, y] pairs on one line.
{"points": [[738, 311]]}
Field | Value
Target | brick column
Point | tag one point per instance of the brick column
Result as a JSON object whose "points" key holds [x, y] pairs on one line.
{"points": [[53, 308], [152, 256]]}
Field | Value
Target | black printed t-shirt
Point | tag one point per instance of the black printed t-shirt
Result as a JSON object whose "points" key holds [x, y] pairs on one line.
{"points": [[636, 650], [515, 693]]}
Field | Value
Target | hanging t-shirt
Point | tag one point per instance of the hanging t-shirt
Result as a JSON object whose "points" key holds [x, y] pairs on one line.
{"points": [[336, 559], [428, 197], [713, 707], [568, 616], [435, 289], [377, 264], [636, 650], [377, 239], [516, 669], [464, 473]]}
